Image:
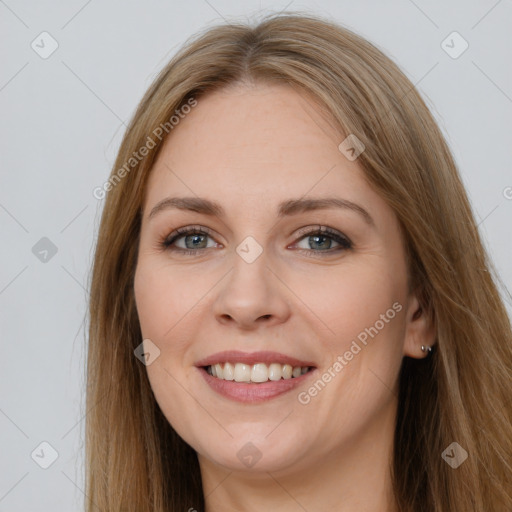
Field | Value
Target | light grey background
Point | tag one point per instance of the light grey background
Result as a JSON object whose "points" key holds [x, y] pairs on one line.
{"points": [[62, 119]]}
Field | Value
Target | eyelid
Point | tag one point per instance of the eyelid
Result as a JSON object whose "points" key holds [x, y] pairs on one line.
{"points": [[185, 230], [318, 228]]}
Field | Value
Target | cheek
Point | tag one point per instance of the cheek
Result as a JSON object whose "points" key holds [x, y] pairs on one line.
{"points": [[170, 304], [149, 301], [160, 308], [349, 301], [362, 352], [163, 298]]}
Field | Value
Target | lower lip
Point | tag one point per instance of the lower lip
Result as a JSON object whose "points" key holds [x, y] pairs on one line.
{"points": [[252, 392]]}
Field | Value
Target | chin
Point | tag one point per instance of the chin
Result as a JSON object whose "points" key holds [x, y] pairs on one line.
{"points": [[256, 455]]}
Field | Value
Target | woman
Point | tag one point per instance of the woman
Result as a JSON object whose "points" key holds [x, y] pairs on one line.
{"points": [[291, 307]]}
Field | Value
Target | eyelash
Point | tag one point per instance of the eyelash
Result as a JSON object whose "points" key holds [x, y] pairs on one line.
{"points": [[166, 243]]}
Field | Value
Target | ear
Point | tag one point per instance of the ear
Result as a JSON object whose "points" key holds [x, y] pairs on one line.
{"points": [[419, 330]]}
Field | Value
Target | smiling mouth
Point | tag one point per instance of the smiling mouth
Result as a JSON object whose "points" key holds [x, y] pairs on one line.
{"points": [[256, 373]]}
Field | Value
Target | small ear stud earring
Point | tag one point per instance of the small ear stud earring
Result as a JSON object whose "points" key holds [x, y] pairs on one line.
{"points": [[426, 348]]}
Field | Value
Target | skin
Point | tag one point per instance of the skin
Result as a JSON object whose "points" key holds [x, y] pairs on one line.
{"points": [[249, 147]]}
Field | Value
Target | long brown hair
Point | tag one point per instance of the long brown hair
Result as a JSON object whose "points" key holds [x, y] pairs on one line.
{"points": [[461, 393]]}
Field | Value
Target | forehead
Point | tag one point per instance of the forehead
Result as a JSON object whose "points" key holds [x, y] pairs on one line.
{"points": [[251, 144]]}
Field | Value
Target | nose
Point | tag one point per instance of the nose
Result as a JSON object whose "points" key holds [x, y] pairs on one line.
{"points": [[251, 295]]}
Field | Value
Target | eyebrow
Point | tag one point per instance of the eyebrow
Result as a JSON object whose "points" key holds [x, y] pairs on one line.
{"points": [[286, 208]]}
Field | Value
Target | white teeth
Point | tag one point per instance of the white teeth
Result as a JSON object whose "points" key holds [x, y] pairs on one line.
{"points": [[218, 371], [275, 371], [229, 372], [260, 372], [242, 372]]}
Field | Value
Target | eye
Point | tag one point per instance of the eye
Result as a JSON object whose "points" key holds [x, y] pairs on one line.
{"points": [[194, 238], [322, 238], [319, 239]]}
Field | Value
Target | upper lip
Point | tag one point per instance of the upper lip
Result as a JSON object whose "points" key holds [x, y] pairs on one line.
{"points": [[250, 358]]}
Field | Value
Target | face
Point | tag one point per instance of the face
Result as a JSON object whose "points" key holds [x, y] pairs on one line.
{"points": [[268, 283]]}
